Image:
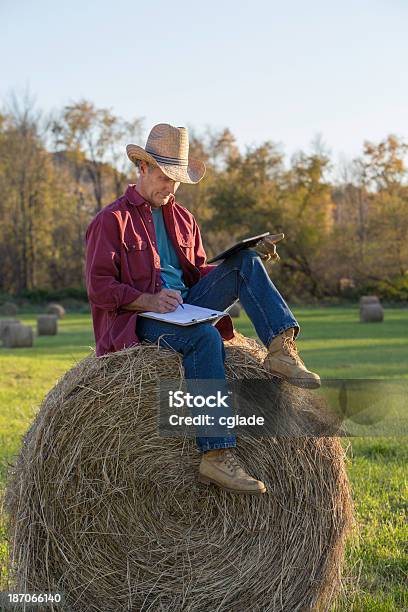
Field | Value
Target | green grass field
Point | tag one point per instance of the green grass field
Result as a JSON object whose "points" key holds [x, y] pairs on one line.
{"points": [[332, 342]]}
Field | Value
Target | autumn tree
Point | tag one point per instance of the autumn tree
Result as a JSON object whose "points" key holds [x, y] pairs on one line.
{"points": [[308, 222], [56, 174], [25, 195], [94, 139], [385, 175]]}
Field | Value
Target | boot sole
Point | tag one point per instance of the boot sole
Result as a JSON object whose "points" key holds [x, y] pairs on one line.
{"points": [[298, 382], [208, 481]]}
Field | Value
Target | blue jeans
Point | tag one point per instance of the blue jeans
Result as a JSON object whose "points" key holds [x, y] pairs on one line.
{"points": [[241, 276]]}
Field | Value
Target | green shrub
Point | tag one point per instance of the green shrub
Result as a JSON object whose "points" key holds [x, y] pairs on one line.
{"points": [[394, 290], [42, 296]]}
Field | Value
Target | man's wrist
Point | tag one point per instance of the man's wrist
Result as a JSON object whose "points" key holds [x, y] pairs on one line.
{"points": [[139, 304]]}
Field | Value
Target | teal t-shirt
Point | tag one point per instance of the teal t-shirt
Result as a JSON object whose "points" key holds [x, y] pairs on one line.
{"points": [[171, 270]]}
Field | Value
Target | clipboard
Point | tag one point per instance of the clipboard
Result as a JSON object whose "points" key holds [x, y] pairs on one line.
{"points": [[189, 315], [242, 244]]}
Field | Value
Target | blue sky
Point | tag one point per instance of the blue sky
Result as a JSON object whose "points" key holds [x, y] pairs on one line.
{"points": [[268, 70]]}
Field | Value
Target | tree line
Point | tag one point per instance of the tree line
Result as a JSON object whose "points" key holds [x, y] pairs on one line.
{"points": [[344, 236]]}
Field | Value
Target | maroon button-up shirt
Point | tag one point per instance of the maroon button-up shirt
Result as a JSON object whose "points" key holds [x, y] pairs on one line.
{"points": [[122, 262]]}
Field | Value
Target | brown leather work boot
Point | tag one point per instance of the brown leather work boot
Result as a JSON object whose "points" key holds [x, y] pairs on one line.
{"points": [[221, 467], [283, 360]]}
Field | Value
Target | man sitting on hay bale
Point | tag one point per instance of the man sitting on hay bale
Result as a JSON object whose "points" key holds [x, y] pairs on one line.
{"points": [[145, 236]]}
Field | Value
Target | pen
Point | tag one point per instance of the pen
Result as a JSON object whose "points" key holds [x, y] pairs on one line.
{"points": [[167, 287]]}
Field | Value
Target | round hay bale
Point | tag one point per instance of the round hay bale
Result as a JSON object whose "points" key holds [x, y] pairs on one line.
{"points": [[369, 299], [56, 309], [18, 336], [102, 508], [8, 309], [4, 325], [234, 310], [372, 313], [47, 325]]}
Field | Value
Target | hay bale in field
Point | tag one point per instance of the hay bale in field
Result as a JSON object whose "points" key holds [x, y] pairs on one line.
{"points": [[371, 309], [369, 299], [104, 509], [4, 325], [56, 309], [47, 325], [18, 336], [372, 313], [8, 309], [234, 310]]}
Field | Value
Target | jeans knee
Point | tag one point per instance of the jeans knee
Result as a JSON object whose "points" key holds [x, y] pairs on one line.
{"points": [[245, 258], [208, 337]]}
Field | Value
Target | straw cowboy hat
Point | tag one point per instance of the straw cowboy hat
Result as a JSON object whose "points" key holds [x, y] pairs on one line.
{"points": [[167, 147]]}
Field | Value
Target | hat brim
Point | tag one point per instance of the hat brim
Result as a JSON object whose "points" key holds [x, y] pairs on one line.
{"points": [[193, 173]]}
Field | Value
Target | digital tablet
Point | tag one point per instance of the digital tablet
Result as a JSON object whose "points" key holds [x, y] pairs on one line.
{"points": [[243, 244]]}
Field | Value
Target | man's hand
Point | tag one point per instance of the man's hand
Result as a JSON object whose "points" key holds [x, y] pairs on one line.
{"points": [[266, 248], [166, 300]]}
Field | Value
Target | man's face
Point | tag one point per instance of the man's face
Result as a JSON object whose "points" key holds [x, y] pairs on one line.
{"points": [[156, 186]]}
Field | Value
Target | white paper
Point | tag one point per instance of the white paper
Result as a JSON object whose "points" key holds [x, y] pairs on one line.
{"points": [[189, 315]]}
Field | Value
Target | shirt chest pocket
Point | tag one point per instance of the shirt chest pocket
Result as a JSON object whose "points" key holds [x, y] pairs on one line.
{"points": [[186, 241], [137, 244], [137, 256], [186, 245]]}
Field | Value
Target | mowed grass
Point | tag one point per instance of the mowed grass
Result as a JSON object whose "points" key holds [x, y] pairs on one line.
{"points": [[334, 343]]}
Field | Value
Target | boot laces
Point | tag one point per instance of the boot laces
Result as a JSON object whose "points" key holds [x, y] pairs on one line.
{"points": [[290, 347], [230, 459]]}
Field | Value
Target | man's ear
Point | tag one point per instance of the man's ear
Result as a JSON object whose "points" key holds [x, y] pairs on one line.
{"points": [[148, 167]]}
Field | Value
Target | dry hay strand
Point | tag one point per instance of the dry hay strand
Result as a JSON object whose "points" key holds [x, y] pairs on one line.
{"points": [[105, 510]]}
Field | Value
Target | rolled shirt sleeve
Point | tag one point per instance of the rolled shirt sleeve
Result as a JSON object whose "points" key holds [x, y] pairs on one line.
{"points": [[102, 266]]}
